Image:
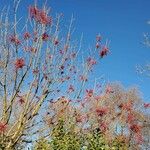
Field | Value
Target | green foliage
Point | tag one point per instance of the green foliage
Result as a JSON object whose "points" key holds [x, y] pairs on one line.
{"points": [[119, 144], [42, 144], [63, 138], [96, 141]]}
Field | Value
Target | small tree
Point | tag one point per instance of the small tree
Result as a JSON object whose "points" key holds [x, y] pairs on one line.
{"points": [[38, 62], [113, 118]]}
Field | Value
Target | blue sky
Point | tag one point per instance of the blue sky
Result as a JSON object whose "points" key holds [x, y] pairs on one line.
{"points": [[121, 21]]}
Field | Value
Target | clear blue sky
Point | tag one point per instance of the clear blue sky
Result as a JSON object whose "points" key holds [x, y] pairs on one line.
{"points": [[121, 21]]}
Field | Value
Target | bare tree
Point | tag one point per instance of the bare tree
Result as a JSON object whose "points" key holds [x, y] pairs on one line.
{"points": [[38, 63]]}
